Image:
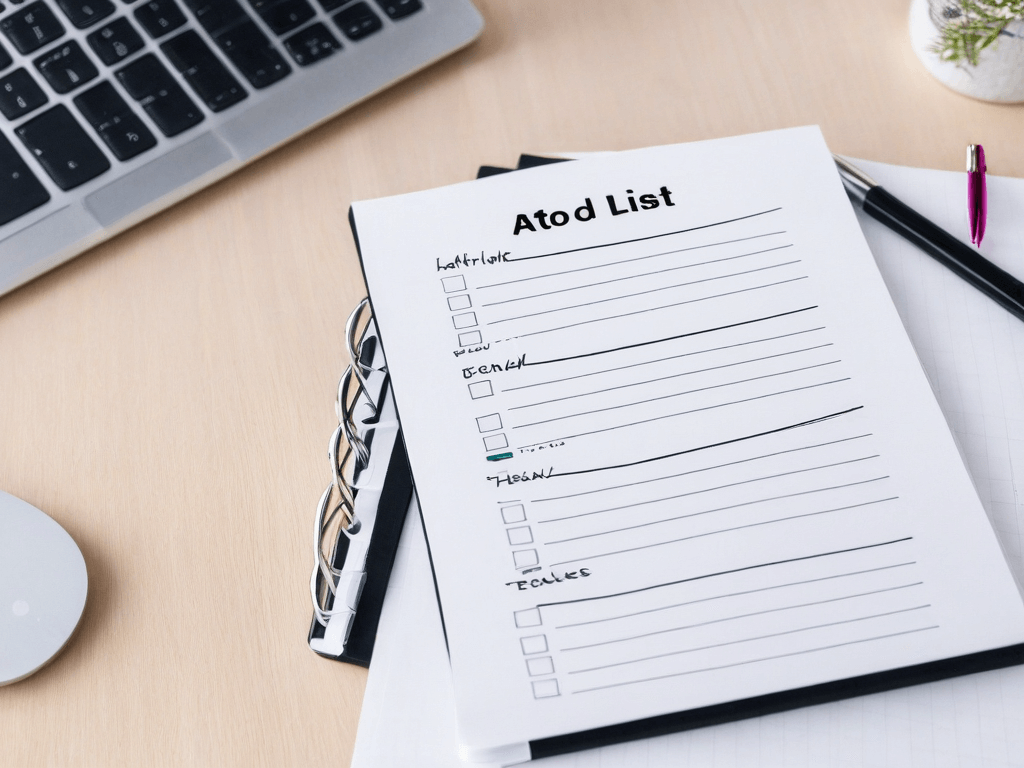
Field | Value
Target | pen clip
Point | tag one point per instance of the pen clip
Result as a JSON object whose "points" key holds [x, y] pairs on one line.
{"points": [[977, 193]]}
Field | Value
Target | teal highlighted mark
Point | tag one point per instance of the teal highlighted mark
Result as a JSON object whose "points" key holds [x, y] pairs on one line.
{"points": [[499, 456]]}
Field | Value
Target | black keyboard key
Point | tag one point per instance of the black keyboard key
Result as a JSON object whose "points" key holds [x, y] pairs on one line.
{"points": [[253, 54], [63, 148], [19, 94], [85, 13], [148, 82], [115, 122], [32, 27], [20, 191], [5, 58], [313, 43], [217, 15], [115, 41], [159, 17], [330, 5], [358, 21], [399, 9], [67, 67], [283, 15], [203, 71]]}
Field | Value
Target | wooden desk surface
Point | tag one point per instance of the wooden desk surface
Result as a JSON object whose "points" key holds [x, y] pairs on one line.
{"points": [[167, 397]]}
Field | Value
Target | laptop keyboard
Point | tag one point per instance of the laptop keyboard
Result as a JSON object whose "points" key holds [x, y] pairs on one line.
{"points": [[124, 80]]}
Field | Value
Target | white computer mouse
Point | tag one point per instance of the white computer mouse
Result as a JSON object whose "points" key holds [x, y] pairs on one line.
{"points": [[43, 583]]}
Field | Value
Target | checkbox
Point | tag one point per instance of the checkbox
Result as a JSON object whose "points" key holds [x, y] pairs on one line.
{"points": [[521, 535], [495, 442], [528, 618], [543, 665], [513, 514], [534, 644], [489, 423], [456, 303], [480, 389], [465, 320], [453, 284], [543, 689], [469, 338], [524, 558]]}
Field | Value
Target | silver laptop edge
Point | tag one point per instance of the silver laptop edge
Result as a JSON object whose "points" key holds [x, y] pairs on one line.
{"points": [[71, 222]]}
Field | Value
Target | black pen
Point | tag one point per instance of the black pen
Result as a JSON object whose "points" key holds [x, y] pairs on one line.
{"points": [[1000, 286]]}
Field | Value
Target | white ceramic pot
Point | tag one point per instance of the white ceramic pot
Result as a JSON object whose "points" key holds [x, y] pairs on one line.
{"points": [[999, 75]]}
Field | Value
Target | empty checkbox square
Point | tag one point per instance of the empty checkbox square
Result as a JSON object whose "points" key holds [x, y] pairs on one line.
{"points": [[524, 558], [480, 389], [456, 303], [469, 338], [453, 284], [515, 513], [521, 535], [534, 644], [542, 665], [465, 320], [528, 618], [543, 689], [489, 423], [495, 442]]}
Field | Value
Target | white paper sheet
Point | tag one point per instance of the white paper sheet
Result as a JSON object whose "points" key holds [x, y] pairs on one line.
{"points": [[975, 720], [869, 579]]}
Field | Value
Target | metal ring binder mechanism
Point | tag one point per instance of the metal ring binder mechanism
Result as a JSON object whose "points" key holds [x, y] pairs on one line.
{"points": [[359, 517]]}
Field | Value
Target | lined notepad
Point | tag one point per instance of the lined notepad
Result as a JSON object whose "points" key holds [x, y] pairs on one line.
{"points": [[673, 457], [968, 348]]}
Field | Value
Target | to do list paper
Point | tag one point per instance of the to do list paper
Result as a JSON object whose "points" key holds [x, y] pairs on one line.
{"points": [[672, 445]]}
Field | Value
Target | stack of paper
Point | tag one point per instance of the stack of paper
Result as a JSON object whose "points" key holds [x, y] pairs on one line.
{"points": [[968, 347]]}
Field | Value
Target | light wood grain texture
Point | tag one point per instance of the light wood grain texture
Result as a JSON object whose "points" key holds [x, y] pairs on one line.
{"points": [[167, 397]]}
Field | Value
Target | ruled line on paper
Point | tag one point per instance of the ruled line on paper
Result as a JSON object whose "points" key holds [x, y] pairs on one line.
{"points": [[656, 360], [673, 338], [666, 542], [627, 261], [688, 515], [765, 658], [696, 471], [655, 309], [674, 394], [648, 237], [736, 484], [747, 616], [687, 373], [715, 574], [735, 594], [634, 276], [719, 444], [756, 637], [750, 639], [659, 289], [684, 413]]}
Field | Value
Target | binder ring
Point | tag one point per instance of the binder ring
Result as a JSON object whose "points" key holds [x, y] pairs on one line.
{"points": [[346, 421], [354, 457], [354, 349]]}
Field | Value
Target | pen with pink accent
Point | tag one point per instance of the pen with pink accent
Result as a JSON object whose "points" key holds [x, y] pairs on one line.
{"points": [[1000, 286], [977, 193]]}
